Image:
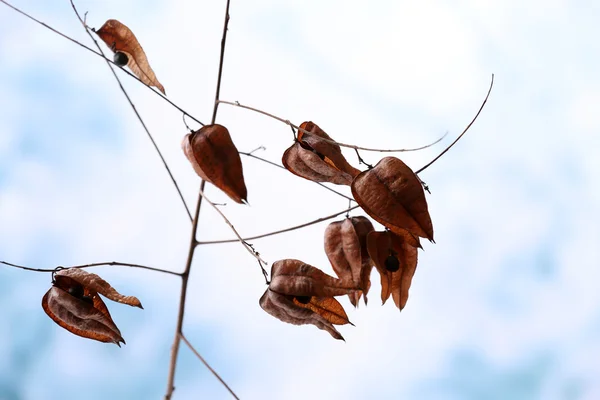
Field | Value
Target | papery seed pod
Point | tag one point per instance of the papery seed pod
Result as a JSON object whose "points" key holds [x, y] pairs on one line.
{"points": [[346, 248], [392, 195], [215, 159]]}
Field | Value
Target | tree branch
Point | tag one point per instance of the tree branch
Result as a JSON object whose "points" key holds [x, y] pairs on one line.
{"points": [[463, 132], [137, 114], [192, 246], [293, 228], [108, 263], [208, 366], [351, 146], [282, 167]]}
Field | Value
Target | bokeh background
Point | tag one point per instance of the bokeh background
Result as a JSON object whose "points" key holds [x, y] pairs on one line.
{"points": [[505, 306]]}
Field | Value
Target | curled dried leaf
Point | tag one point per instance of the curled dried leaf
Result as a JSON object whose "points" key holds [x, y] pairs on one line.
{"points": [[318, 311], [85, 316], [315, 159], [215, 159], [396, 262], [94, 284], [392, 194], [346, 248], [128, 51], [296, 278]]}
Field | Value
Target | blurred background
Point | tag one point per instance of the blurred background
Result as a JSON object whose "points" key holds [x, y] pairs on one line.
{"points": [[505, 306]]}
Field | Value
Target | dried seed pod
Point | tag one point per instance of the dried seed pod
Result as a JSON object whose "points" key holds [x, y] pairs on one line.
{"points": [[302, 294], [396, 262], [215, 159], [346, 248], [318, 160], [121, 39], [392, 194]]}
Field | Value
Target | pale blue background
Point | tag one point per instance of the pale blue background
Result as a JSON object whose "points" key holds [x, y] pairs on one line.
{"points": [[505, 306]]}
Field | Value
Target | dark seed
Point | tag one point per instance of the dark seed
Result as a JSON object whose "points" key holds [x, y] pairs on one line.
{"points": [[88, 299], [303, 299], [120, 58], [76, 291], [391, 263]]}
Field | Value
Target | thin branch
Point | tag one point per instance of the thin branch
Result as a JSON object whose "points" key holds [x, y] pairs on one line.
{"points": [[184, 284], [139, 117], [221, 58], [282, 167], [293, 228], [248, 247], [207, 365], [351, 146], [100, 55], [463, 132], [108, 263], [192, 245]]}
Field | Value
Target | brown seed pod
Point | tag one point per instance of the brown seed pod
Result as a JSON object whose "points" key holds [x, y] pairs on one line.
{"points": [[392, 194]]}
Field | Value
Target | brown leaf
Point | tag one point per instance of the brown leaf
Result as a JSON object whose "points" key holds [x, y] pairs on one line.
{"points": [[396, 262], [392, 194], [346, 248], [215, 159], [94, 284], [123, 42], [296, 278], [312, 158], [81, 316], [318, 311]]}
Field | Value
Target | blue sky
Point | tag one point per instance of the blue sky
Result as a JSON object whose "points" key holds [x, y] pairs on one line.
{"points": [[504, 306]]}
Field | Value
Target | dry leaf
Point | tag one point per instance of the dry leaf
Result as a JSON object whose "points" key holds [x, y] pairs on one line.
{"points": [[346, 248], [312, 158], [128, 51], [392, 194], [396, 262], [75, 304], [302, 294], [215, 159]]}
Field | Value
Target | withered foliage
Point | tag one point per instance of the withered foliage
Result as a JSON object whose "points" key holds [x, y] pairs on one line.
{"points": [[392, 195], [215, 159], [128, 51], [318, 160], [396, 262], [346, 248], [74, 303], [302, 294]]}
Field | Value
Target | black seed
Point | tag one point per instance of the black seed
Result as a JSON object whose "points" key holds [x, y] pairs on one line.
{"points": [[303, 299], [88, 299], [391, 263], [120, 58], [76, 291]]}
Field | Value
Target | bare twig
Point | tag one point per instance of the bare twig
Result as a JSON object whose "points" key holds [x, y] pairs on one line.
{"points": [[184, 283], [221, 58], [351, 146], [139, 117], [282, 167], [463, 132], [108, 263], [243, 241], [293, 228], [192, 245], [207, 365], [99, 55]]}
